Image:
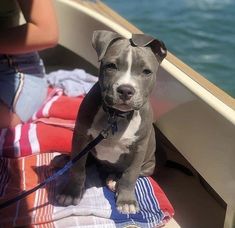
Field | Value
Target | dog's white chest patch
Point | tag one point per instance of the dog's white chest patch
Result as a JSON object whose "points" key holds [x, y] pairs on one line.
{"points": [[112, 148]]}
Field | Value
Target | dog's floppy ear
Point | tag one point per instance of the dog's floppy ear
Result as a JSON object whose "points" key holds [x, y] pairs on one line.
{"points": [[157, 46], [102, 39]]}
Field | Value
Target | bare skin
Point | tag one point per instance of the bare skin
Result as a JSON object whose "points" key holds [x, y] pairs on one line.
{"points": [[7, 117], [39, 32]]}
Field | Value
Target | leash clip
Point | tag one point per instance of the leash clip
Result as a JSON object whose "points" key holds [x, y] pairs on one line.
{"points": [[112, 120], [105, 133], [112, 125]]}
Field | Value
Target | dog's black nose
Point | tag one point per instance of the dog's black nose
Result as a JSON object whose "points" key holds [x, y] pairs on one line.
{"points": [[125, 92]]}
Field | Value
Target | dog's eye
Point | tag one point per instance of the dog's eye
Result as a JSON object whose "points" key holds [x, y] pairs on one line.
{"points": [[147, 72], [110, 66]]}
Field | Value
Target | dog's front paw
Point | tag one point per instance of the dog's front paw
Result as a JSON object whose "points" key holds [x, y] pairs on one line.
{"points": [[66, 200], [127, 204], [59, 161], [69, 194]]}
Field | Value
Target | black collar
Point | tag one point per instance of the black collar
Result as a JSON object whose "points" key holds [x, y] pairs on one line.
{"points": [[114, 114]]}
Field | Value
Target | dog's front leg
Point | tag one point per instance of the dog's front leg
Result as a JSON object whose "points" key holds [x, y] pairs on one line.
{"points": [[126, 200], [70, 192]]}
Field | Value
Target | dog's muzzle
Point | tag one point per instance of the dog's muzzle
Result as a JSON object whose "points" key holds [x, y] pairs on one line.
{"points": [[124, 98]]}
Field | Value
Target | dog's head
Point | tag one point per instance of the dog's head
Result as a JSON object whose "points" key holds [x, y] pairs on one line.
{"points": [[128, 68]]}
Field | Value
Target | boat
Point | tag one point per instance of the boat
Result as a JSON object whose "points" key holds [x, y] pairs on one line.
{"points": [[194, 119]]}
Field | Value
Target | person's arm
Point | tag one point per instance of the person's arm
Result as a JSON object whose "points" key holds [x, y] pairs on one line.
{"points": [[39, 32]]}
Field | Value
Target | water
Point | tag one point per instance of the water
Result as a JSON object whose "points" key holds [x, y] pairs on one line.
{"points": [[199, 32]]}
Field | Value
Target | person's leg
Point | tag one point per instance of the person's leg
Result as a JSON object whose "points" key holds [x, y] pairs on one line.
{"points": [[9, 87], [20, 103], [7, 117], [22, 88]]}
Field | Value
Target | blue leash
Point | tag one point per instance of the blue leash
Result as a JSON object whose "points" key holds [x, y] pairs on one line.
{"points": [[103, 135]]}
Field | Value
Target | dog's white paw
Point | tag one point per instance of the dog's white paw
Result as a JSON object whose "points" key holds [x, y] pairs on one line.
{"points": [[126, 202], [128, 208]]}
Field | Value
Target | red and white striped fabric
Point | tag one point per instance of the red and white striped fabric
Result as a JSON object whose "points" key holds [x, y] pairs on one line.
{"points": [[49, 130], [96, 209], [17, 175]]}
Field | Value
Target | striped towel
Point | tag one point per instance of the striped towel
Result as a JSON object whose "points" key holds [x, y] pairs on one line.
{"points": [[49, 130], [96, 209]]}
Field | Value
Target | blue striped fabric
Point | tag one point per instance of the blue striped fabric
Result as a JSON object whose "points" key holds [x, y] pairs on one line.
{"points": [[150, 214], [149, 206]]}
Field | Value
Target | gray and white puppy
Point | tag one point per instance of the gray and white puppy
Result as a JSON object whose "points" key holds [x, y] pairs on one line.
{"points": [[127, 76]]}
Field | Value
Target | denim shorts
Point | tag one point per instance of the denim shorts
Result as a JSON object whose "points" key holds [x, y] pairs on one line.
{"points": [[22, 85]]}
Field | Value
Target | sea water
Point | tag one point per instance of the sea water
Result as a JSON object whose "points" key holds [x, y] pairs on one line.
{"points": [[199, 32]]}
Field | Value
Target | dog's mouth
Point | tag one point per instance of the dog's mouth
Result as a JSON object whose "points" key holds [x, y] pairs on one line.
{"points": [[123, 107]]}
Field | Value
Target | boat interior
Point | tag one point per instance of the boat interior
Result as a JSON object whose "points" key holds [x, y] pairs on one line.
{"points": [[195, 121]]}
